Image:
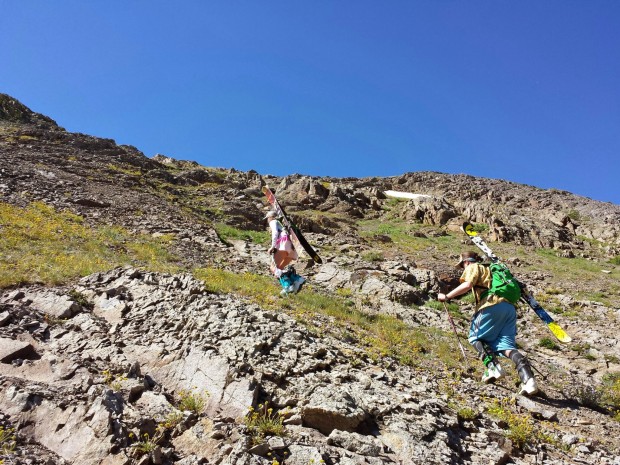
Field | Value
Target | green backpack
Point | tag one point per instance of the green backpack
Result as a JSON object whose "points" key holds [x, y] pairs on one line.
{"points": [[503, 284]]}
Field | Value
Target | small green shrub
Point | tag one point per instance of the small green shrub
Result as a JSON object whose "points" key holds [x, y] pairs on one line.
{"points": [[114, 382], [388, 229], [8, 441], [605, 396], [263, 422], [612, 359], [611, 391], [193, 402], [392, 202], [466, 414], [171, 420], [548, 343], [583, 349], [80, 299], [344, 292], [521, 430], [480, 228], [121, 169], [143, 446], [586, 394]]}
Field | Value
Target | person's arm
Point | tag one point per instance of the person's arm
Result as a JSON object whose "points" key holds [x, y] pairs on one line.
{"points": [[461, 289]]}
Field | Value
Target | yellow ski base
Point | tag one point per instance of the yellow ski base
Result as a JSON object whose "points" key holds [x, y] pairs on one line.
{"points": [[559, 332]]}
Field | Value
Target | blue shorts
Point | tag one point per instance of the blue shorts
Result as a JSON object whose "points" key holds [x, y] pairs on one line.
{"points": [[496, 326]]}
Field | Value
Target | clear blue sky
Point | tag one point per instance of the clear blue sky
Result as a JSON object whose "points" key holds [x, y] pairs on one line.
{"points": [[527, 91]]}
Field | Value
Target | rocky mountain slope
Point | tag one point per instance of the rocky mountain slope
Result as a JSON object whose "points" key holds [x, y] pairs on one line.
{"points": [[154, 349]]}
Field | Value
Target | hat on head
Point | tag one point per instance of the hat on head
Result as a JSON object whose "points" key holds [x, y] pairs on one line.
{"points": [[472, 257], [270, 214]]}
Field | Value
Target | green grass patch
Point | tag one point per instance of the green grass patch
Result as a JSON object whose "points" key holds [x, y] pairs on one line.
{"points": [[437, 305], [227, 232], [261, 289], [372, 256], [568, 267], [393, 202], [38, 244], [128, 171], [468, 298], [407, 238]]}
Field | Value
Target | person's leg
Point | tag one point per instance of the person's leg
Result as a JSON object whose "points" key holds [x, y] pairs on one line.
{"points": [[524, 370], [287, 284], [297, 282], [492, 369], [482, 330]]}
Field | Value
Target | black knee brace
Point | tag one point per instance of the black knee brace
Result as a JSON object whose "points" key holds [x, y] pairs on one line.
{"points": [[485, 354], [522, 364]]}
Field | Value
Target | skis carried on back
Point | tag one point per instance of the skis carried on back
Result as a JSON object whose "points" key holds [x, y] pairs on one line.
{"points": [[299, 241], [526, 296]]}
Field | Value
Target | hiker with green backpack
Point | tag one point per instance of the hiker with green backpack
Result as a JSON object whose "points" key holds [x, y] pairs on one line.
{"points": [[493, 328]]}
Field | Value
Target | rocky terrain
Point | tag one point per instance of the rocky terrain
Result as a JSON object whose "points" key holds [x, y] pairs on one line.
{"points": [[134, 362]]}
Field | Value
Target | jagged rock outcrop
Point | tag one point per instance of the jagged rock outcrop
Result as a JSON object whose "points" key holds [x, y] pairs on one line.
{"points": [[13, 111]]}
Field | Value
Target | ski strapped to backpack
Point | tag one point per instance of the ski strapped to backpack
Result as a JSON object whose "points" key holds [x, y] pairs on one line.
{"points": [[299, 241], [525, 295]]}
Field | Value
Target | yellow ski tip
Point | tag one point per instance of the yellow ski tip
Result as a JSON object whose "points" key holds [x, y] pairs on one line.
{"points": [[468, 228], [558, 332]]}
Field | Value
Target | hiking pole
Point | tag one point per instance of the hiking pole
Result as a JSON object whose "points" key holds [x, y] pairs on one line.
{"points": [[458, 339], [539, 372]]}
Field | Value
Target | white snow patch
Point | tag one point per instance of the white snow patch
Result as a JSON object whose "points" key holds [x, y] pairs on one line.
{"points": [[406, 195]]}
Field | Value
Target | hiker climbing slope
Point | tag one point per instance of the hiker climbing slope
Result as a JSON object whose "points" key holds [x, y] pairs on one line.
{"points": [[283, 253], [493, 328]]}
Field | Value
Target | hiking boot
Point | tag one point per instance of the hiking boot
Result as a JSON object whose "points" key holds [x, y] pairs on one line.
{"points": [[492, 373], [288, 290], [297, 284], [528, 388]]}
